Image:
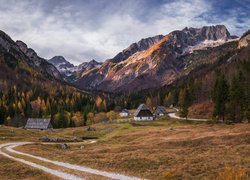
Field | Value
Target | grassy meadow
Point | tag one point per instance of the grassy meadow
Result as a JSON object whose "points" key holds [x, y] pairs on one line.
{"points": [[164, 149]]}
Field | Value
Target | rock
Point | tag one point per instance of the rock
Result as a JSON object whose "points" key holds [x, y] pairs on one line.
{"points": [[171, 128], [47, 139], [82, 147], [64, 146], [75, 139], [90, 128], [44, 139]]}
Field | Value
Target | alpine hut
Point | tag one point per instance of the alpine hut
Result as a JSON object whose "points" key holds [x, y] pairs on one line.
{"points": [[124, 113], [160, 111], [36, 123], [143, 113]]}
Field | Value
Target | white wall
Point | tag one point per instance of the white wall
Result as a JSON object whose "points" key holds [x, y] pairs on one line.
{"points": [[124, 114], [143, 118]]}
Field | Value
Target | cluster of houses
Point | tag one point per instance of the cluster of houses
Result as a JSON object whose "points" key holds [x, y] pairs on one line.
{"points": [[143, 113]]}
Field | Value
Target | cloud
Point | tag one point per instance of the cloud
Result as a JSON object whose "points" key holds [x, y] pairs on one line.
{"points": [[83, 30]]}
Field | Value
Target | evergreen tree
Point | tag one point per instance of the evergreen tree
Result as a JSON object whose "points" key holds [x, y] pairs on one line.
{"points": [[220, 97], [184, 102], [2, 114], [236, 99], [85, 118], [62, 119]]}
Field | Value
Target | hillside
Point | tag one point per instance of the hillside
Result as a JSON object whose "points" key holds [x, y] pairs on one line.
{"points": [[32, 87]]}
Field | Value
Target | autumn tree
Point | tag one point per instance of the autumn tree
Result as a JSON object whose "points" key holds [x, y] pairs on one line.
{"points": [[149, 102], [169, 99]]}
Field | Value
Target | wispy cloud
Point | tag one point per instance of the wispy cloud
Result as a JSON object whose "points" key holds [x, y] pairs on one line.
{"points": [[82, 30]]}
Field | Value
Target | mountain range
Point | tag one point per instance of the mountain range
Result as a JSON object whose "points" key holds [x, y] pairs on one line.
{"points": [[159, 59], [151, 63]]}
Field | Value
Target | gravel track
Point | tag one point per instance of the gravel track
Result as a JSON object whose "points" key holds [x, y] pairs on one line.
{"points": [[9, 148]]}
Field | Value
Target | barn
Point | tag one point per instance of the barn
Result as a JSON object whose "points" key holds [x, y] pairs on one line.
{"points": [[143, 113], [36, 123], [160, 111]]}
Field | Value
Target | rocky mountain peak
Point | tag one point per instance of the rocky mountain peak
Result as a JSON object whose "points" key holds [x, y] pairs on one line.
{"points": [[141, 45], [208, 32], [60, 61], [85, 66], [93, 62]]}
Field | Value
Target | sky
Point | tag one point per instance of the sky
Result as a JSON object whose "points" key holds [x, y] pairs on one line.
{"points": [[82, 30]]}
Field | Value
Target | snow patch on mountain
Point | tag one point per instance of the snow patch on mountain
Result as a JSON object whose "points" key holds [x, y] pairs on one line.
{"points": [[206, 44]]}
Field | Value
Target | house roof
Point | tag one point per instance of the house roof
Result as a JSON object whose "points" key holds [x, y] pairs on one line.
{"points": [[160, 110], [124, 111], [142, 107], [36, 123]]}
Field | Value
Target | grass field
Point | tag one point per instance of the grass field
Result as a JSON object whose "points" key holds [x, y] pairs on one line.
{"points": [[166, 149]]}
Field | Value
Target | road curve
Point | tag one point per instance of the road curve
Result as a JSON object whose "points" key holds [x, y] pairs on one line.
{"points": [[173, 115], [57, 173], [9, 148]]}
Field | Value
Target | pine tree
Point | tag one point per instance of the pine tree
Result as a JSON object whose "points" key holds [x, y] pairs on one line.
{"points": [[85, 118], [184, 102], [220, 97], [62, 119], [2, 114], [236, 99]]}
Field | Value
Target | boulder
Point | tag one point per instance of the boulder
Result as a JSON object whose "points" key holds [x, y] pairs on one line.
{"points": [[64, 146], [90, 128]]}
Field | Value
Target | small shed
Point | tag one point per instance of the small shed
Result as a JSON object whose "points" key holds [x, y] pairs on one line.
{"points": [[37, 123], [160, 111], [124, 113], [143, 113]]}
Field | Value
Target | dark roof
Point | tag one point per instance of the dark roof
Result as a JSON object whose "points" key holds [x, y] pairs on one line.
{"points": [[36, 123], [143, 110], [160, 110], [124, 111]]}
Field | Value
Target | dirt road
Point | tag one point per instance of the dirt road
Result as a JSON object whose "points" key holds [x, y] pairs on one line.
{"points": [[7, 150]]}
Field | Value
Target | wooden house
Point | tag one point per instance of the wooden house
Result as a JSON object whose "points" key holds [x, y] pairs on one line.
{"points": [[36, 123], [143, 113]]}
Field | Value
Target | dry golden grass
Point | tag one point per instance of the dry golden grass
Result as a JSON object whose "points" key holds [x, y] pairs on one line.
{"points": [[10, 169], [230, 173], [183, 151]]}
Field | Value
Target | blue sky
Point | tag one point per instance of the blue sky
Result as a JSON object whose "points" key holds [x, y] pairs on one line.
{"points": [[81, 30]]}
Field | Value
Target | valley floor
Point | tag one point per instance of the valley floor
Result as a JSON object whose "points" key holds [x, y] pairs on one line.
{"points": [[166, 149]]}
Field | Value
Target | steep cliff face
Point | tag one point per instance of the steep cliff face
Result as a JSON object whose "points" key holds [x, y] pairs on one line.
{"points": [[39, 62], [143, 44], [244, 40], [153, 62]]}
